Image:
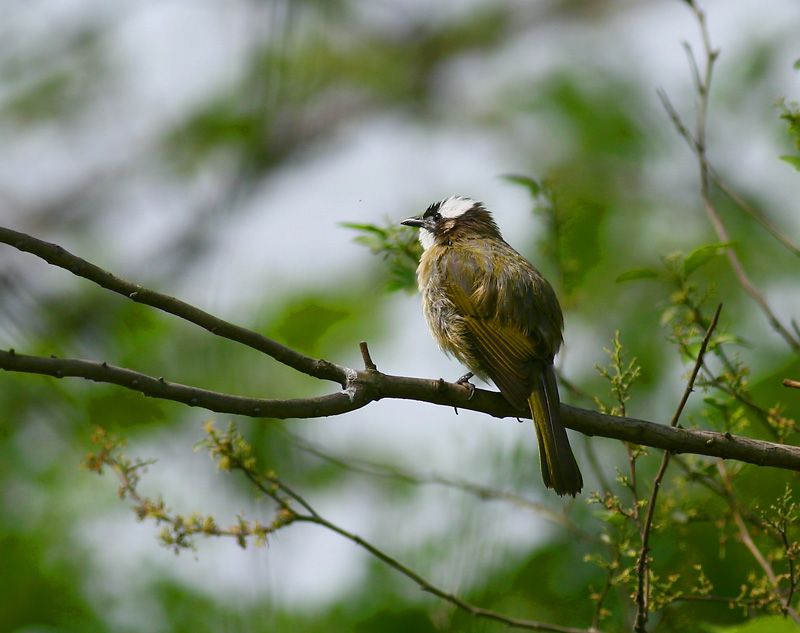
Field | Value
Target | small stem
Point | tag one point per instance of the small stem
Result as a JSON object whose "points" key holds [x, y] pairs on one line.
{"points": [[697, 143], [271, 486], [642, 597], [368, 364], [744, 534]]}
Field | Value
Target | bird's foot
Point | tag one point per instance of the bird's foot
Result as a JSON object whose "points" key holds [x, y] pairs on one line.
{"points": [[464, 380]]}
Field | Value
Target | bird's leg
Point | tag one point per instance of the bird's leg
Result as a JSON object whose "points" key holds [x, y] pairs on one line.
{"points": [[464, 380]]}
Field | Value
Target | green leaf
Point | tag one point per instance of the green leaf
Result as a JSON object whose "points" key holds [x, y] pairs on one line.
{"points": [[637, 273], [702, 255], [794, 161], [612, 518], [771, 624], [534, 187], [728, 338], [367, 228], [796, 65]]}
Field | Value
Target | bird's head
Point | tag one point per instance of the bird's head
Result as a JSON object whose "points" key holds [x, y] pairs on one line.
{"points": [[453, 219]]}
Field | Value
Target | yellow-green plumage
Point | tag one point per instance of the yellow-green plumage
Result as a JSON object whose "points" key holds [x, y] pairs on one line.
{"points": [[490, 308]]}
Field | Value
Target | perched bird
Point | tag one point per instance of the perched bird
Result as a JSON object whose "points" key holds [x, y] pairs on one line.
{"points": [[489, 307]]}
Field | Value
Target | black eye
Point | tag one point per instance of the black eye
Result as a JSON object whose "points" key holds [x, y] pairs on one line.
{"points": [[433, 212]]}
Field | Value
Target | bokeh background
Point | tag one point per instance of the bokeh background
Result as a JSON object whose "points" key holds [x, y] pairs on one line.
{"points": [[212, 151]]}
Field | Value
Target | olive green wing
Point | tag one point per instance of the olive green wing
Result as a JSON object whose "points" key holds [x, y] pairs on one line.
{"points": [[506, 353], [516, 350], [507, 358]]}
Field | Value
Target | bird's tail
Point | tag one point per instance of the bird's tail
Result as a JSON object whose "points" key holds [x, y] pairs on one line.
{"points": [[559, 468]]}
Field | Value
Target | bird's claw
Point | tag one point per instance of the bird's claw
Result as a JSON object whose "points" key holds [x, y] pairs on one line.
{"points": [[464, 380]]}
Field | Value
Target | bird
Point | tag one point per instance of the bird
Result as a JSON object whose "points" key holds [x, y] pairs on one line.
{"points": [[491, 309]]}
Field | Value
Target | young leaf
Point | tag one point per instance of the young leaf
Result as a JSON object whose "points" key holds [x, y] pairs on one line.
{"points": [[794, 161], [702, 255], [534, 187], [367, 228], [637, 273]]}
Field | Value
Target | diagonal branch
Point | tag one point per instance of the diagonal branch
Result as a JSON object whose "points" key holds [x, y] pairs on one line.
{"points": [[272, 486], [58, 256], [697, 142], [744, 534], [753, 212], [643, 582], [482, 492]]}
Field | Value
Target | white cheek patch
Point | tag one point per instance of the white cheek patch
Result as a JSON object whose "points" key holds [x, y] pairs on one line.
{"points": [[426, 239], [456, 206]]}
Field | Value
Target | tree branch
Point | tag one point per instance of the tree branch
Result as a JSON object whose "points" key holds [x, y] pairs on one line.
{"points": [[744, 534], [58, 256], [332, 404], [359, 387], [643, 565], [697, 143], [272, 486], [482, 492], [366, 386]]}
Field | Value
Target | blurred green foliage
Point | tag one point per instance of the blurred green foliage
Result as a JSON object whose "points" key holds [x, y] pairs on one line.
{"points": [[397, 245], [608, 210], [791, 113]]}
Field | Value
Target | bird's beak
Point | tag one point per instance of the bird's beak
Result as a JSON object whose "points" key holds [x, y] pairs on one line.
{"points": [[415, 222]]}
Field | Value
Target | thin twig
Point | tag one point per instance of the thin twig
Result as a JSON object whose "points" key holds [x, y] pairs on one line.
{"points": [[744, 534], [400, 474], [739, 396], [754, 213], [795, 384], [273, 485], [697, 142], [610, 573], [790, 561], [632, 486], [642, 597], [368, 364]]}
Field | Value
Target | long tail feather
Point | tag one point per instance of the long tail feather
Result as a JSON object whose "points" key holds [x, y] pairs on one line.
{"points": [[559, 469]]}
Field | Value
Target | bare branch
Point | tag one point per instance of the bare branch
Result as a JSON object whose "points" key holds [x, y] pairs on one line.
{"points": [[272, 486], [697, 143], [57, 256], [425, 585], [360, 387], [364, 387], [480, 491], [754, 213], [332, 404], [643, 584]]}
